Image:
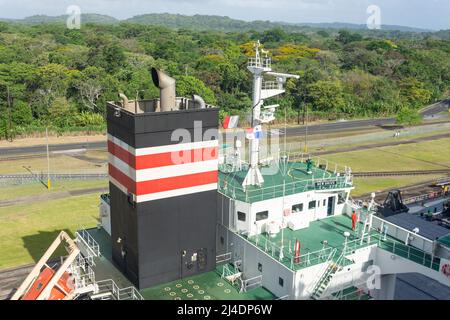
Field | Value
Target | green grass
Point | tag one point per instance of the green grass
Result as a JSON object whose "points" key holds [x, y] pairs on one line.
{"points": [[418, 156], [26, 231], [34, 189], [315, 140], [58, 163], [377, 184]]}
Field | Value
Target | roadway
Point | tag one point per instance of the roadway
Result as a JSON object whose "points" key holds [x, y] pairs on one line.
{"points": [[426, 112]]}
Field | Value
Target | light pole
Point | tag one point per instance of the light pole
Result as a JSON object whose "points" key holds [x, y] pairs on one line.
{"points": [[9, 113], [48, 161], [306, 128]]}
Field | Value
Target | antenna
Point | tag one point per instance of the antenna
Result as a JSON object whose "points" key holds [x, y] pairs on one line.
{"points": [[261, 90]]}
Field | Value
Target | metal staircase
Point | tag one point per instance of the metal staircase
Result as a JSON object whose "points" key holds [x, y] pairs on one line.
{"points": [[332, 268]]}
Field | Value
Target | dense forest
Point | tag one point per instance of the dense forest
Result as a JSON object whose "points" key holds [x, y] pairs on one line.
{"points": [[62, 78]]}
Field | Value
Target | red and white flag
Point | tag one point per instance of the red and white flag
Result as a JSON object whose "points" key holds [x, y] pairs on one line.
{"points": [[230, 122]]}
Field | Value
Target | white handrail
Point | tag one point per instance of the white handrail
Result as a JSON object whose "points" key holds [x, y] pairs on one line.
{"points": [[382, 221], [128, 293], [89, 241]]}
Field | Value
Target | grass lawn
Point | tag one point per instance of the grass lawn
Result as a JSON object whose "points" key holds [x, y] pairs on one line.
{"points": [[26, 231], [97, 154], [37, 188], [58, 163], [317, 142], [377, 184], [418, 156]]}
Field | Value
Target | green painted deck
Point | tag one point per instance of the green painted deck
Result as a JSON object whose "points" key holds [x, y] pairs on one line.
{"points": [[313, 250], [287, 180], [445, 240], [206, 286], [331, 229]]}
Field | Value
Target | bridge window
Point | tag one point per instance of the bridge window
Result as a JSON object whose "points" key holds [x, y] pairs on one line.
{"points": [[312, 205], [297, 207], [263, 215], [341, 197], [241, 216]]}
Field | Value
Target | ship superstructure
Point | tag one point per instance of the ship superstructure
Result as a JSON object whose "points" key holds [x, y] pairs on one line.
{"points": [[189, 219]]}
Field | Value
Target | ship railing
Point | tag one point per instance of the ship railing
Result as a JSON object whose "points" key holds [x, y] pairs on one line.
{"points": [[406, 251], [286, 255], [259, 62], [285, 297], [251, 283], [109, 286], [90, 243], [424, 197], [316, 257], [407, 236], [280, 190], [271, 85], [353, 245], [221, 258], [84, 277], [325, 164]]}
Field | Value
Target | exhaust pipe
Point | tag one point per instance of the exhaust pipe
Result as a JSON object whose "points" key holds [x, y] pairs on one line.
{"points": [[198, 102], [166, 86], [123, 99]]}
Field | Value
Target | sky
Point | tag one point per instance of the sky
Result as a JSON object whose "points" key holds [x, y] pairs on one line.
{"points": [[428, 14]]}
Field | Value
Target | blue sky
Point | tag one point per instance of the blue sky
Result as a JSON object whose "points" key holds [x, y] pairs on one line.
{"points": [[430, 14]]}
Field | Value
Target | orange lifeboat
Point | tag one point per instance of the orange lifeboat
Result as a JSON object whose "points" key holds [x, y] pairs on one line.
{"points": [[59, 292]]}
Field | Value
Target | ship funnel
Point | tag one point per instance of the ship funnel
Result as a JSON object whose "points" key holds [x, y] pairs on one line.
{"points": [[166, 86]]}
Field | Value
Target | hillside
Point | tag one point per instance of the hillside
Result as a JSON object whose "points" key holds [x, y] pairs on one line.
{"points": [[207, 22], [86, 18], [64, 78]]}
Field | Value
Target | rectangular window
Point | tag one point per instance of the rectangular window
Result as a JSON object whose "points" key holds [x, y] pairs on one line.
{"points": [[259, 267], [263, 215], [241, 216], [297, 208], [318, 204], [312, 205], [341, 197], [324, 202], [280, 281]]}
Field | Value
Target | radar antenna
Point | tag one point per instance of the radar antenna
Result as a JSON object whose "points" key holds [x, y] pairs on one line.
{"points": [[261, 90]]}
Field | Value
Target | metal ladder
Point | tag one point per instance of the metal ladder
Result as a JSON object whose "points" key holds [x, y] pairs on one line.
{"points": [[325, 279]]}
